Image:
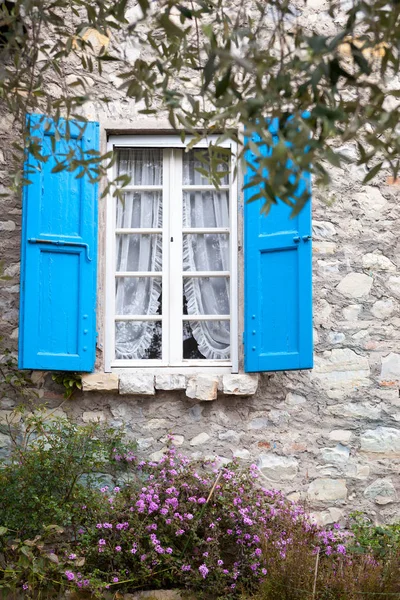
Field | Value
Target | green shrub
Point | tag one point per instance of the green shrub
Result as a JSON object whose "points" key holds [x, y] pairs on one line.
{"points": [[379, 540], [54, 471]]}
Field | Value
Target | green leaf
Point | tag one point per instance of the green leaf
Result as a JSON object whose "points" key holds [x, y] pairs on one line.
{"points": [[374, 171]]}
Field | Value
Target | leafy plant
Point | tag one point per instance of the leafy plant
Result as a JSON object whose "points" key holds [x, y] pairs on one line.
{"points": [[54, 471], [379, 540], [71, 382]]}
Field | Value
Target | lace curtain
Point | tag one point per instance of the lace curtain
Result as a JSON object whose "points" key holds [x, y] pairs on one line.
{"points": [[206, 252], [138, 252], [143, 252]]}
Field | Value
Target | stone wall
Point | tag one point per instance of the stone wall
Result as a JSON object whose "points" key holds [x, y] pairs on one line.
{"points": [[330, 436]]}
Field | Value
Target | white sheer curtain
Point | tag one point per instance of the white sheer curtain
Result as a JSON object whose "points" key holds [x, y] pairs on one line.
{"points": [[206, 252], [138, 252]]}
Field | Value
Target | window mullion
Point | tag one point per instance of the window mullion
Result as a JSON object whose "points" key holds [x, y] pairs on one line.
{"points": [[166, 283], [175, 265]]}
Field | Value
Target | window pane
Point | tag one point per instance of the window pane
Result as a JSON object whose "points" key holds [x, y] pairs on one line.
{"points": [[138, 340], [143, 165], [206, 296], [205, 252], [209, 340], [138, 296], [191, 162], [139, 209], [139, 252], [206, 209]]}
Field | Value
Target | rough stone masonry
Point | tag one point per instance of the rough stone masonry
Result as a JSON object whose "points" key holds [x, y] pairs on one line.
{"points": [[330, 436]]}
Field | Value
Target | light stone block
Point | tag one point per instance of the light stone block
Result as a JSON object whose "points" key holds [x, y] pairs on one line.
{"points": [[100, 382], [259, 423], [329, 516], [230, 436], [175, 439], [154, 424], [240, 384], [241, 453], [342, 436], [327, 490], [355, 285], [157, 456], [323, 229], [381, 491], [337, 456], [170, 382], [324, 247], [295, 399], [341, 368], [352, 312], [390, 370], [7, 226], [377, 262], [9, 417], [145, 443], [277, 468], [137, 384], [371, 201], [202, 387], [357, 410], [394, 284], [94, 416], [200, 439], [382, 309], [384, 440]]}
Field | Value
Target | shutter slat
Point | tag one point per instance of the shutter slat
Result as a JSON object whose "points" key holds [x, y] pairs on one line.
{"points": [[59, 252], [278, 287]]}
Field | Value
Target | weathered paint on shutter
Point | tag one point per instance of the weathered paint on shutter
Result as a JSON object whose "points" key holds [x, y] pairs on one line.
{"points": [[58, 255], [278, 283]]}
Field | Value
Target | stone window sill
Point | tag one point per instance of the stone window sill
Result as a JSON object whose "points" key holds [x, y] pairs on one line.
{"points": [[197, 386]]}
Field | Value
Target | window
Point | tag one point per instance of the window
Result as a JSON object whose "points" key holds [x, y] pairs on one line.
{"points": [[171, 261], [171, 256]]}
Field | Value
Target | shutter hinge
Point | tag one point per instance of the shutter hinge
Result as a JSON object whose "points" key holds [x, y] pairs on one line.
{"points": [[243, 338]]}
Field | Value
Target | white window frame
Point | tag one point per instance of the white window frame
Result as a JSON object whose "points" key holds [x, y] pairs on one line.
{"points": [[172, 254]]}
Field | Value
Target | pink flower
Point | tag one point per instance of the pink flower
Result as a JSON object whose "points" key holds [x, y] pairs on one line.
{"points": [[118, 548], [102, 542], [115, 579], [203, 570]]}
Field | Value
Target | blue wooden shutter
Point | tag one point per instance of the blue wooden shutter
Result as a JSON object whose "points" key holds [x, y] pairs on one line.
{"points": [[58, 254], [278, 291]]}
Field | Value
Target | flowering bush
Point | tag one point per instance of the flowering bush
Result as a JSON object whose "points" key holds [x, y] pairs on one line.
{"points": [[178, 524], [190, 526]]}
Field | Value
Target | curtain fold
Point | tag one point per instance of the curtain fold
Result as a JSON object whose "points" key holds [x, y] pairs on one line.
{"points": [[206, 252]]}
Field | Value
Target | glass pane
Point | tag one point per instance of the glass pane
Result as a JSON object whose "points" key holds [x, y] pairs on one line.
{"points": [[138, 340], [139, 209], [192, 161], [205, 252], [209, 340], [206, 296], [143, 165], [139, 252], [138, 295], [206, 209]]}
